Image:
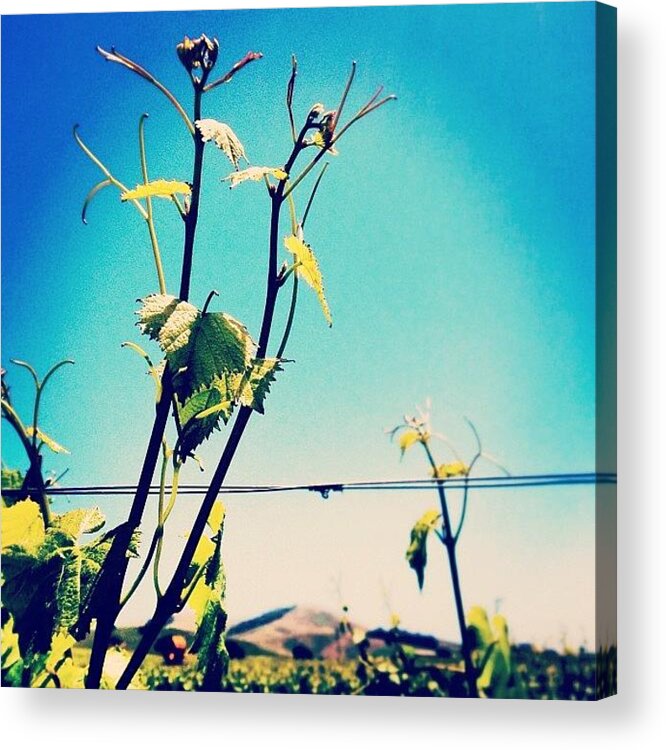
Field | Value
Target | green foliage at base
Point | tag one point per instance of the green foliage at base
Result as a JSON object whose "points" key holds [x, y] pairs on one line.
{"points": [[544, 675]]}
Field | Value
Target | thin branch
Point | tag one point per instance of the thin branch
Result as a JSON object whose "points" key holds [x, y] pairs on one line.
{"points": [[149, 208], [290, 318], [249, 57], [116, 57], [91, 194], [313, 193], [345, 93], [105, 171], [290, 96]]}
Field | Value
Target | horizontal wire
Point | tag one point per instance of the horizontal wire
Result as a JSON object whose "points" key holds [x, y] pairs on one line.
{"points": [[454, 483]]}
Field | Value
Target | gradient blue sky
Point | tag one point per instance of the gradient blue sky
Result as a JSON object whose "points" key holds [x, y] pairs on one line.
{"points": [[455, 232]]}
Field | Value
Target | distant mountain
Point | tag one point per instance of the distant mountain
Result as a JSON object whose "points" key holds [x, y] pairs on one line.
{"points": [[281, 631], [295, 631], [310, 632]]}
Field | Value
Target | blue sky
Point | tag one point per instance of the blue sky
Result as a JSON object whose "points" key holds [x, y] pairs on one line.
{"points": [[455, 232]]}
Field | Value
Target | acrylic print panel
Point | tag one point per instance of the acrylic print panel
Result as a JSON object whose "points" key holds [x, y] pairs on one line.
{"points": [[308, 373]]}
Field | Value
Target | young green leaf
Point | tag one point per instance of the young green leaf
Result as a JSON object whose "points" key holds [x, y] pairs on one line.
{"points": [[253, 386], [201, 413], [200, 348], [157, 189], [307, 268], [218, 344], [223, 137], [256, 174], [416, 554]]}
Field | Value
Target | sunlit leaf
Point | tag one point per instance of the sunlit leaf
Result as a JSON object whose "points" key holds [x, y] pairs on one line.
{"points": [[22, 526], [167, 319], [223, 137], [253, 386], [255, 174], [416, 554], [218, 344], [80, 521], [200, 348], [157, 189], [48, 441], [408, 438], [201, 413], [307, 269], [454, 469], [318, 141], [216, 517]]}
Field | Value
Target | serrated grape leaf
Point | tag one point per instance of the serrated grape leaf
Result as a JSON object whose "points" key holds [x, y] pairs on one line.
{"points": [[255, 174], [223, 137], [200, 348], [218, 344], [253, 386], [417, 555], [157, 189], [22, 526], [48, 441], [167, 320], [46, 582], [80, 521], [200, 415], [208, 604], [308, 269]]}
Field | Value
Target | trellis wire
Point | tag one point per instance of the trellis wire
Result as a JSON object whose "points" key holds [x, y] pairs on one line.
{"points": [[325, 488]]}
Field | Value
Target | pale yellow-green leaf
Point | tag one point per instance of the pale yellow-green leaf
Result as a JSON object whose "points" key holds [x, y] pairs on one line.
{"points": [[477, 618], [61, 643], [80, 521], [223, 406], [157, 189], [204, 551], [252, 387], [49, 442], [408, 438], [168, 320], [255, 174], [223, 137], [199, 598], [308, 269], [216, 517], [417, 553], [318, 141], [22, 526], [454, 469]]}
